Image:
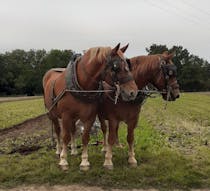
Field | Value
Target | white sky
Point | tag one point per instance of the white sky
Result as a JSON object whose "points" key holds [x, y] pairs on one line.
{"points": [[81, 24]]}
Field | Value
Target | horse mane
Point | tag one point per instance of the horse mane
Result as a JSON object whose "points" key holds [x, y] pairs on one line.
{"points": [[141, 64], [99, 53]]}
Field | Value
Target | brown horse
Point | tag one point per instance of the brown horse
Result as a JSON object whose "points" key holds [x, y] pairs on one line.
{"points": [[155, 69], [63, 102]]}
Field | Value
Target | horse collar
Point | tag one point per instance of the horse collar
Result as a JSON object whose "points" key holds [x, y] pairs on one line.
{"points": [[73, 84]]}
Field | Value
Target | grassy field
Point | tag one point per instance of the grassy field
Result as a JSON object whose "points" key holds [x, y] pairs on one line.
{"points": [[172, 148], [14, 112]]}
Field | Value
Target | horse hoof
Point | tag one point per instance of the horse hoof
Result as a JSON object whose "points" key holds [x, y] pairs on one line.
{"points": [[109, 167], [84, 168], [74, 153], [119, 145], [64, 167], [133, 165]]}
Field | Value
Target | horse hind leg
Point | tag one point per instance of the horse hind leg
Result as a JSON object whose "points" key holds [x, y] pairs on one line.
{"points": [[130, 138], [57, 132], [66, 126], [118, 144], [85, 165], [73, 141]]}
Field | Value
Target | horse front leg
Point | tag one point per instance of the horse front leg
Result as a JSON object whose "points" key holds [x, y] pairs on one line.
{"points": [[113, 124], [130, 139], [66, 126], [85, 165]]}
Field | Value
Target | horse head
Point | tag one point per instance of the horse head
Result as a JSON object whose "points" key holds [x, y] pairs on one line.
{"points": [[118, 74], [165, 78]]}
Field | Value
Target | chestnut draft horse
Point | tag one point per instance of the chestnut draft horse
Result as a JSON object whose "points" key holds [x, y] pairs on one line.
{"points": [[86, 73], [158, 70]]}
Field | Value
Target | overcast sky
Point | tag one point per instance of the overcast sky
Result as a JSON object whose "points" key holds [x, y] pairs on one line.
{"points": [[81, 24]]}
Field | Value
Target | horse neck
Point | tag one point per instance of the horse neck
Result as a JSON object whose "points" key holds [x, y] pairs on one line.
{"points": [[145, 68], [88, 73]]}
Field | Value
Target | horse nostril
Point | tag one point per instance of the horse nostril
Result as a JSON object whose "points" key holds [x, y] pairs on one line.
{"points": [[177, 96], [132, 93]]}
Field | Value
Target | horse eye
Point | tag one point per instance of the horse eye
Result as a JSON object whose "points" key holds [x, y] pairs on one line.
{"points": [[115, 67], [163, 62]]}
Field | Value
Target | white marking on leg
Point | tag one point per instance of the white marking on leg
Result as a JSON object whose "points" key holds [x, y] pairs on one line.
{"points": [[131, 156], [104, 148], [85, 162], [108, 158], [58, 147], [63, 156], [73, 145]]}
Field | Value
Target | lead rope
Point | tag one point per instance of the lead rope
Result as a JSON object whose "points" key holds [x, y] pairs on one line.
{"points": [[168, 96], [117, 93]]}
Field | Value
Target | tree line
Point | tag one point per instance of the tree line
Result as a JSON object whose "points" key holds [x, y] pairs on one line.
{"points": [[21, 71]]}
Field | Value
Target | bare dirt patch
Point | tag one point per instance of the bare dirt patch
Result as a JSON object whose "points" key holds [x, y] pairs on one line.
{"points": [[68, 188], [79, 188], [27, 127], [26, 137]]}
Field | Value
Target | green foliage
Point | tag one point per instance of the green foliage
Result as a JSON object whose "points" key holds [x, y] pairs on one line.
{"points": [[22, 71], [15, 112], [185, 123]]}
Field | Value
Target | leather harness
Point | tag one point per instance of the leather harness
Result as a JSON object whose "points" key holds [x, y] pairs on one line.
{"points": [[72, 84]]}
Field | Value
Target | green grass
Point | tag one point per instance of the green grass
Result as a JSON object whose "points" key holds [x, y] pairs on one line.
{"points": [[185, 122], [12, 113], [162, 143]]}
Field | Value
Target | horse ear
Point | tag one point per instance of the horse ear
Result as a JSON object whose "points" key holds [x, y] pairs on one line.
{"points": [[168, 56], [123, 49], [115, 49], [129, 63], [171, 55], [98, 50], [165, 53]]}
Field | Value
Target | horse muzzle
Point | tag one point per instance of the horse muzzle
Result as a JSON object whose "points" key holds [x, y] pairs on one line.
{"points": [[128, 95], [174, 94]]}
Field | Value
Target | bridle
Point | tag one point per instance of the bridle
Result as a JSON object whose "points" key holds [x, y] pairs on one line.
{"points": [[169, 70], [113, 65]]}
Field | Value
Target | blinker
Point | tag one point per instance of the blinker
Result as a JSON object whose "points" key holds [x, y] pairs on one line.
{"points": [[170, 70]]}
